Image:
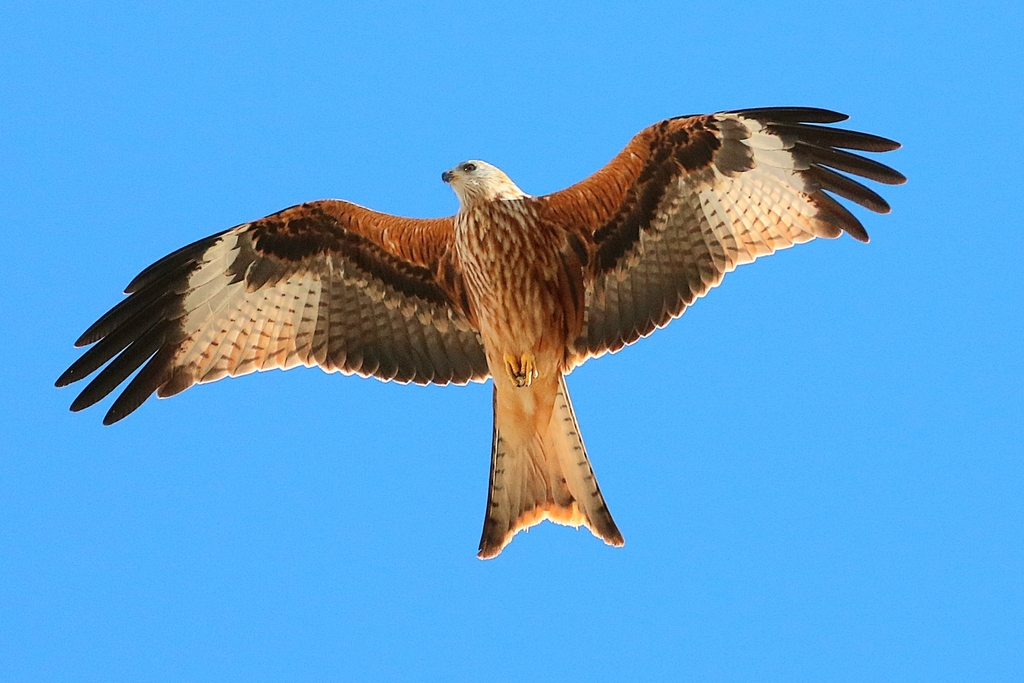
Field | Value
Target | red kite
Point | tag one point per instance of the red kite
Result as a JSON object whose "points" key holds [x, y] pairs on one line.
{"points": [[517, 288]]}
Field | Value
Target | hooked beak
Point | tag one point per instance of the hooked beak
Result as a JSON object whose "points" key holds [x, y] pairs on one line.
{"points": [[447, 176]]}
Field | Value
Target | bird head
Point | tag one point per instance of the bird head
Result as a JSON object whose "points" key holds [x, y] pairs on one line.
{"points": [[478, 181]]}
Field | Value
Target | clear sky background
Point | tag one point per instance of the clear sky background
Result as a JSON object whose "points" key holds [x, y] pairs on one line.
{"points": [[818, 470]]}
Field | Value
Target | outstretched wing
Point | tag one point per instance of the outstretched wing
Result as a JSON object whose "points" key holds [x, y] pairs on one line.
{"points": [[326, 283], [691, 198]]}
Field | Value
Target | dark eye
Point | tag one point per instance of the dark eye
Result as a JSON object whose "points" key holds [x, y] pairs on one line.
{"points": [[468, 168]]}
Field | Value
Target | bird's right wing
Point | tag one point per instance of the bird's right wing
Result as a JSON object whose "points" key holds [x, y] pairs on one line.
{"points": [[326, 283], [691, 198]]}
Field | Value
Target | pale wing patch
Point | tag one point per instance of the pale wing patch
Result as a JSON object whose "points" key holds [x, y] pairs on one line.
{"points": [[755, 214]]}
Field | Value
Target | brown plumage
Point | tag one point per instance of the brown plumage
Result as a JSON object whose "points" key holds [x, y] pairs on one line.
{"points": [[514, 287]]}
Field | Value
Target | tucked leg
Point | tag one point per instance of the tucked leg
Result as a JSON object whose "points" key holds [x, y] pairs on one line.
{"points": [[522, 371]]}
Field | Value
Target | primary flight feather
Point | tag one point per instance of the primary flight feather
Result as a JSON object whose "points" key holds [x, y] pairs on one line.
{"points": [[513, 287]]}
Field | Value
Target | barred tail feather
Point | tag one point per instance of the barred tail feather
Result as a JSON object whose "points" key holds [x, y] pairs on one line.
{"points": [[540, 468]]}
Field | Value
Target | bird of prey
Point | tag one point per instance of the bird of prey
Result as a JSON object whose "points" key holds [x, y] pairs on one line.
{"points": [[517, 288]]}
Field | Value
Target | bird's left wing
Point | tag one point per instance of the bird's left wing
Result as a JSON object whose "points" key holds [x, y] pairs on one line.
{"points": [[326, 283], [691, 198]]}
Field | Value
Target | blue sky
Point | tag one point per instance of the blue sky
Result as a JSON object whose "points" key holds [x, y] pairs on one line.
{"points": [[818, 469]]}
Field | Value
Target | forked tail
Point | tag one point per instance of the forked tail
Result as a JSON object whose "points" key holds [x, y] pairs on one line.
{"points": [[539, 467]]}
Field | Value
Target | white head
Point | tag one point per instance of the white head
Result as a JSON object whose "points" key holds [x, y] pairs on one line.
{"points": [[478, 181]]}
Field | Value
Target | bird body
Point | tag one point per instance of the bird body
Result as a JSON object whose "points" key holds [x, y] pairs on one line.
{"points": [[516, 288], [525, 287]]}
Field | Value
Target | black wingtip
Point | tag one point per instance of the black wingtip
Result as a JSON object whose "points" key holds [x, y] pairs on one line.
{"points": [[855, 229], [879, 144], [887, 145], [85, 399], [110, 418], [792, 114]]}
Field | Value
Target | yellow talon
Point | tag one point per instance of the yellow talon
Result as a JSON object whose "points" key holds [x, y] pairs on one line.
{"points": [[528, 366], [522, 371]]}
